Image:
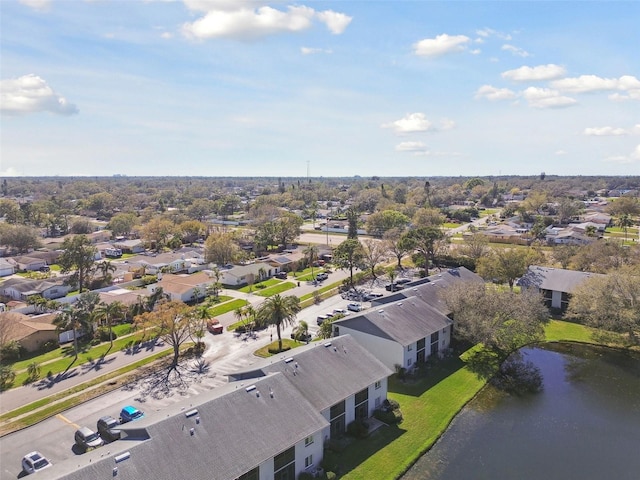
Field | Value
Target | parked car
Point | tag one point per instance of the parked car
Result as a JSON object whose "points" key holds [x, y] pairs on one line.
{"points": [[403, 281], [322, 276], [33, 462], [129, 414], [371, 295], [393, 287], [301, 337], [107, 427], [354, 307], [341, 311], [87, 439], [215, 327], [321, 318], [281, 275]]}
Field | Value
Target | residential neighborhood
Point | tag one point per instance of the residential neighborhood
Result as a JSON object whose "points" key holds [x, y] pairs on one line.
{"points": [[316, 327]]}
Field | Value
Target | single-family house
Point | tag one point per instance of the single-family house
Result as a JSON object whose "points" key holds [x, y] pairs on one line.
{"points": [[99, 236], [281, 262], [23, 288], [31, 332], [27, 263], [244, 274], [7, 267], [130, 246], [49, 256], [270, 424], [183, 287], [555, 284]]}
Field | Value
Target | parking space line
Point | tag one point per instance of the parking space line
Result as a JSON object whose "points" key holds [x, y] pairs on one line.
{"points": [[67, 421]]}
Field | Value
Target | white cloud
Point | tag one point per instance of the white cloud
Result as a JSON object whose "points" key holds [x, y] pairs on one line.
{"points": [[541, 72], [433, 47], [492, 93], [245, 20], [546, 98], [10, 172], [39, 5], [418, 122], [633, 157], [489, 32], [411, 147], [412, 122], [561, 152], [593, 83], [475, 51], [31, 94], [605, 131], [166, 35], [335, 22], [519, 52], [311, 51]]}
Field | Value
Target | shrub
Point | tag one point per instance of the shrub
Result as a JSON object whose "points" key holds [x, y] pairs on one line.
{"points": [[276, 350], [102, 334], [7, 376], [48, 346], [330, 476], [11, 351], [33, 372]]}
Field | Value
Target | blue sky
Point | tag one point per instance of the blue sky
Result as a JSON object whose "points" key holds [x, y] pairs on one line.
{"points": [[342, 88]]}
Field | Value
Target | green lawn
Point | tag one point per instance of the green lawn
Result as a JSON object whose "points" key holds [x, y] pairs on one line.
{"points": [[286, 342], [275, 289], [227, 307], [428, 406], [259, 286]]}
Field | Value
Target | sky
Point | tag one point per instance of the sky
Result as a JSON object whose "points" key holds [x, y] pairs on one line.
{"points": [[319, 88]]}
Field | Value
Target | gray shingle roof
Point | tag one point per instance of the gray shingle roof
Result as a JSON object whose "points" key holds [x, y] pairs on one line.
{"points": [[405, 321], [325, 372], [234, 431], [556, 279]]}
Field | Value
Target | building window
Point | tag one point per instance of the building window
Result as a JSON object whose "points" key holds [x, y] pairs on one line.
{"points": [[251, 475], [408, 362], [377, 402], [435, 336], [378, 384], [308, 461], [284, 465], [409, 348], [308, 441]]}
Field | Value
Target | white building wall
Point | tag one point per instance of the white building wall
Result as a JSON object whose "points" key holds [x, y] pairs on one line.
{"points": [[556, 299], [387, 351]]}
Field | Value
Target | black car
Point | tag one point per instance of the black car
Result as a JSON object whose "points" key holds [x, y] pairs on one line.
{"points": [[108, 428], [393, 287], [403, 281]]}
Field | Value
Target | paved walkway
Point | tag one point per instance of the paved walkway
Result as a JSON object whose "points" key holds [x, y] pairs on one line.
{"points": [[217, 348]]}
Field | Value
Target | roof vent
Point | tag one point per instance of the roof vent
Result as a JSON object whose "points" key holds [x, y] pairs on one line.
{"points": [[191, 413], [122, 457], [250, 388], [288, 360], [400, 304], [328, 344], [270, 392], [380, 311]]}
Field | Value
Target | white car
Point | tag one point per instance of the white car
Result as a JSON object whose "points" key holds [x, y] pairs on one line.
{"points": [[34, 462], [354, 307], [341, 311]]}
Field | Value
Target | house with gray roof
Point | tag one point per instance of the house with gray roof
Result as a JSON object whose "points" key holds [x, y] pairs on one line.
{"points": [[244, 274], [23, 288], [341, 379], [555, 284]]}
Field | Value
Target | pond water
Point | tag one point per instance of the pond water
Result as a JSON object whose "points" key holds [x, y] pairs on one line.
{"points": [[584, 425]]}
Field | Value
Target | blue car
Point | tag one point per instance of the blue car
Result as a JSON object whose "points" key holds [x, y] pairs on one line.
{"points": [[129, 414]]}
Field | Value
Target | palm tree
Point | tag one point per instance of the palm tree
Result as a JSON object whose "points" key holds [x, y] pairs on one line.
{"points": [[278, 311], [108, 312], [311, 254], [624, 222], [105, 268], [69, 318], [301, 332]]}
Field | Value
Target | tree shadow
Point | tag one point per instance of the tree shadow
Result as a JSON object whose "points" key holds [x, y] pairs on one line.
{"points": [[50, 380], [96, 365], [483, 362]]}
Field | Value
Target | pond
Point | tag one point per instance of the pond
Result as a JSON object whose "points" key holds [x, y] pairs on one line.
{"points": [[585, 424]]}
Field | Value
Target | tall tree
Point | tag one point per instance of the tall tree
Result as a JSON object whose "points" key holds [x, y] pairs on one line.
{"points": [[172, 322], [504, 265], [121, 224], [373, 253], [379, 223], [109, 313], [610, 301], [501, 320], [425, 241], [157, 232], [353, 216], [279, 311], [348, 255], [70, 318], [221, 248], [398, 244], [311, 254], [475, 246], [79, 256], [288, 228]]}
